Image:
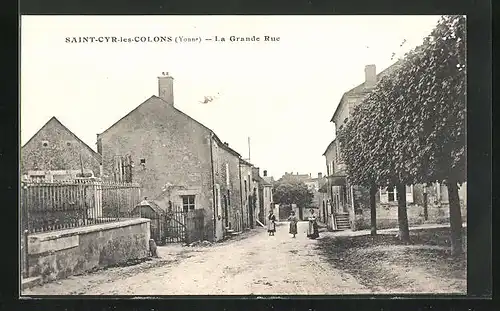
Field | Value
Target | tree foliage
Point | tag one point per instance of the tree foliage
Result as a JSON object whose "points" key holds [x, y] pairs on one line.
{"points": [[411, 127], [292, 192]]}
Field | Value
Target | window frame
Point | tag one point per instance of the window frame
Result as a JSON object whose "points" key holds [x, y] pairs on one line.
{"points": [[188, 206]]}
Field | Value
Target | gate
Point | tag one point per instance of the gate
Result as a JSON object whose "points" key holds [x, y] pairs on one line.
{"points": [[180, 225], [175, 225]]}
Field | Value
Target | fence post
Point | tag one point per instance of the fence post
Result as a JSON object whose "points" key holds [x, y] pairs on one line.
{"points": [[26, 272]]}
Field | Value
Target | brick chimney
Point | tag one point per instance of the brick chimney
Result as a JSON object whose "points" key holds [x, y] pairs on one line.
{"points": [[320, 175], [370, 75], [166, 88], [265, 173]]}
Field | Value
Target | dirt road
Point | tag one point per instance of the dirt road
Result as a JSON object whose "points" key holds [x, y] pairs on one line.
{"points": [[257, 264]]}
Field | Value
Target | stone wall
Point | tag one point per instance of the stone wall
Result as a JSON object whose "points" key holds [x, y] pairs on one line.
{"points": [[59, 254]]}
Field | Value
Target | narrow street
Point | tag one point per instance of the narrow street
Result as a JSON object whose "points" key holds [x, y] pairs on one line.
{"points": [[256, 264]]}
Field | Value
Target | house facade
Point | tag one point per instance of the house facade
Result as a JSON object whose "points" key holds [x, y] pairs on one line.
{"points": [[176, 159], [267, 203], [257, 194], [247, 200], [227, 186], [349, 203], [343, 196], [55, 153]]}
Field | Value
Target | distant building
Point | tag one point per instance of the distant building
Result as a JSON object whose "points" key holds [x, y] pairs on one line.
{"points": [[55, 153], [314, 185]]}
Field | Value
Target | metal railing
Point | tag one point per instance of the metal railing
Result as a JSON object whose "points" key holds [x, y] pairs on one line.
{"points": [[75, 203]]}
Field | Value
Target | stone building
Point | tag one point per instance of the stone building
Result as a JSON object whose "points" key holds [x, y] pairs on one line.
{"points": [[226, 173], [266, 196], [248, 202], [176, 159], [54, 152], [341, 194]]}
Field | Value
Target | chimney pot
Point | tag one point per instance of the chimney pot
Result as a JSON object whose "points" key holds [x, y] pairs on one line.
{"points": [[370, 75], [265, 173]]}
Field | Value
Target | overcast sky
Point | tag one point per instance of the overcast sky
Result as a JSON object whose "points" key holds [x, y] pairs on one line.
{"points": [[281, 94]]}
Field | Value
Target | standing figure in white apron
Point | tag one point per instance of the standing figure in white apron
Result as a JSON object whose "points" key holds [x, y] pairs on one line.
{"points": [[271, 223]]}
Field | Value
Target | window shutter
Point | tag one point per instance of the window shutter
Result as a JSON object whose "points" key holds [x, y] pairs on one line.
{"points": [[409, 194], [227, 174]]}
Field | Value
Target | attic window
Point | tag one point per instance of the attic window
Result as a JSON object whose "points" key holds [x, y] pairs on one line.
{"points": [[68, 143], [143, 161], [45, 143]]}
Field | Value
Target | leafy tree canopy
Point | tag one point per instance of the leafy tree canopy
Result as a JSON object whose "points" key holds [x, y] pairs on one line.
{"points": [[411, 127], [292, 192]]}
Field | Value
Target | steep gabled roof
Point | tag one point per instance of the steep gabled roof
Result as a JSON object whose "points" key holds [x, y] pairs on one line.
{"points": [[361, 89], [222, 145], [245, 162], [154, 206], [268, 179], [95, 154], [329, 146]]}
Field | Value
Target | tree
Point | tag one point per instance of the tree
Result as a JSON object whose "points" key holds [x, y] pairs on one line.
{"points": [[411, 127], [434, 78], [292, 192]]}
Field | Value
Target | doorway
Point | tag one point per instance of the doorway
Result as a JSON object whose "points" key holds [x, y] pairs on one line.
{"points": [[226, 213], [219, 225], [250, 211]]}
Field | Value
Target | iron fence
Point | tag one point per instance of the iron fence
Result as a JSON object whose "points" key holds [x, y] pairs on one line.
{"points": [[76, 203]]}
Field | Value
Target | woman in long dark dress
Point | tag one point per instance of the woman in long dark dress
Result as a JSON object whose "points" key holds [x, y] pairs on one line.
{"points": [[312, 231], [293, 223], [271, 223]]}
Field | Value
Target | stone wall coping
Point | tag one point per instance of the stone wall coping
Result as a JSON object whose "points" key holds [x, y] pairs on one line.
{"points": [[53, 235]]}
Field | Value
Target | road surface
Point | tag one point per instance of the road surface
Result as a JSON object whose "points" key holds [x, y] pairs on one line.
{"points": [[257, 264]]}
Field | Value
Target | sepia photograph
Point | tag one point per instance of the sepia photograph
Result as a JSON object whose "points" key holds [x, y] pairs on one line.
{"points": [[242, 155]]}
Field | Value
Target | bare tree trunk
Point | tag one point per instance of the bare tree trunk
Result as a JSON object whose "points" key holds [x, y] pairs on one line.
{"points": [[455, 219], [404, 231], [373, 210]]}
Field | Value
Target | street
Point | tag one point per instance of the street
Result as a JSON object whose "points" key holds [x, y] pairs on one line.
{"points": [[256, 264]]}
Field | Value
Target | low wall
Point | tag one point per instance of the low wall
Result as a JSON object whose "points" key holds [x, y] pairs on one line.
{"points": [[387, 215], [59, 254]]}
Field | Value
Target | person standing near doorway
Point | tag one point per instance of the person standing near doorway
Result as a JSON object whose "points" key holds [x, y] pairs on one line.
{"points": [[271, 223], [293, 223], [312, 231]]}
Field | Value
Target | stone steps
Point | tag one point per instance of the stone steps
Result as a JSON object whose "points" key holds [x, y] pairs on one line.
{"points": [[343, 222]]}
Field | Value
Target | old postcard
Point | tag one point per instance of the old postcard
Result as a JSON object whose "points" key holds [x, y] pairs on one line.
{"points": [[243, 155]]}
